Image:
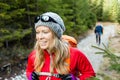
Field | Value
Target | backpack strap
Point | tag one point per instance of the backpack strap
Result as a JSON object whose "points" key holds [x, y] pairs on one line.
{"points": [[49, 74]]}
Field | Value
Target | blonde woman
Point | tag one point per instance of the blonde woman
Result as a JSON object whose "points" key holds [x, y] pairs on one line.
{"points": [[52, 59]]}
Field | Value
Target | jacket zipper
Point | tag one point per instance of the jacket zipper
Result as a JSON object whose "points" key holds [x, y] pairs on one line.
{"points": [[51, 62]]}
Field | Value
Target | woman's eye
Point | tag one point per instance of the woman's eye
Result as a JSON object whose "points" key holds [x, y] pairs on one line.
{"points": [[45, 32], [37, 32]]}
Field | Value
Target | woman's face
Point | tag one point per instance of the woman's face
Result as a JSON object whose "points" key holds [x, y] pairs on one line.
{"points": [[44, 37]]}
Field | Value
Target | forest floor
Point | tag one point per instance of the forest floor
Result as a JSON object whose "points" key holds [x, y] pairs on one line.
{"points": [[114, 46]]}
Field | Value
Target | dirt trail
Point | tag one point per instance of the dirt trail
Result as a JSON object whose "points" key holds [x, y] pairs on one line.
{"points": [[114, 45], [86, 44], [100, 64]]}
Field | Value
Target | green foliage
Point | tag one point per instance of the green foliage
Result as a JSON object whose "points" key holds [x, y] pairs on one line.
{"points": [[114, 60], [106, 16], [77, 20], [115, 67], [78, 15], [91, 21], [111, 10], [118, 18], [106, 10], [97, 8], [14, 22], [15, 35], [17, 16], [13, 54], [4, 6]]}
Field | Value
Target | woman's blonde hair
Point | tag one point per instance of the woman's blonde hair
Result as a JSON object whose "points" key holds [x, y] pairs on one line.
{"points": [[61, 58]]}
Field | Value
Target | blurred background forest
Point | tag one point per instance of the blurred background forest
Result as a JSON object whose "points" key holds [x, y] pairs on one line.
{"points": [[17, 34]]}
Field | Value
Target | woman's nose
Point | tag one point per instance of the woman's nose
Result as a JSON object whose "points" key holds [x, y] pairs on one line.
{"points": [[39, 36]]}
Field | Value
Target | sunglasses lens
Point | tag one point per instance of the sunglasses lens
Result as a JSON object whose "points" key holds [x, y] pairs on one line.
{"points": [[45, 18], [36, 19]]}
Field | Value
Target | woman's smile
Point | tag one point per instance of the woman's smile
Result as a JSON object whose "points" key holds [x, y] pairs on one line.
{"points": [[44, 36]]}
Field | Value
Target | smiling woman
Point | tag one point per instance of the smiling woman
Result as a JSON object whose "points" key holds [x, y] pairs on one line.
{"points": [[44, 37], [52, 59]]}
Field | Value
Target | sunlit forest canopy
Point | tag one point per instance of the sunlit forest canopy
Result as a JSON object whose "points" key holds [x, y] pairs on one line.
{"points": [[17, 17]]}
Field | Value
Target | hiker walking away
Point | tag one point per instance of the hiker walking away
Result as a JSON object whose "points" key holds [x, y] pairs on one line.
{"points": [[98, 32], [51, 58]]}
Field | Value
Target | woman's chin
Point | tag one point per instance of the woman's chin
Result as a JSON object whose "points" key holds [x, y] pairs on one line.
{"points": [[43, 47]]}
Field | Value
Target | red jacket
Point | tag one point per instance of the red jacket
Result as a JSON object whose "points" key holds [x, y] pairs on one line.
{"points": [[78, 63]]}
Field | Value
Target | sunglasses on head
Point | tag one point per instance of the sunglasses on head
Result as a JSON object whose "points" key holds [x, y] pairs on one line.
{"points": [[44, 18]]}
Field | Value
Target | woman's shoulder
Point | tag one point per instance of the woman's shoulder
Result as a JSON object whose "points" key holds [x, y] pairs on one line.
{"points": [[32, 53], [76, 52]]}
